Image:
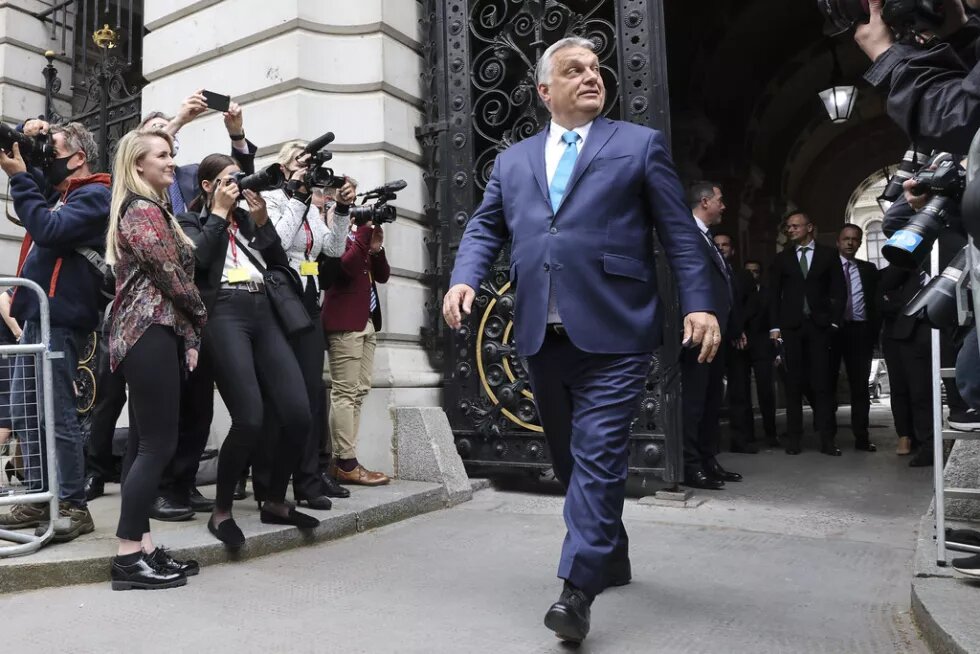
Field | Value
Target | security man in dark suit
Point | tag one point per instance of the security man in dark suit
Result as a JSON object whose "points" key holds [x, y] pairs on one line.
{"points": [[760, 351], [808, 296], [702, 383], [855, 341]]}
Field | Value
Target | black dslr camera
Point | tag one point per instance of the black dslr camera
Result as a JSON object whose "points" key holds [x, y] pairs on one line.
{"points": [[905, 17], [318, 175], [267, 179], [35, 150], [378, 213], [909, 246], [912, 162]]}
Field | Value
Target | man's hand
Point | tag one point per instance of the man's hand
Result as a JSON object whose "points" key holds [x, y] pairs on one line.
{"points": [[234, 121], [460, 296], [701, 328], [741, 342], [875, 37], [915, 201], [776, 335], [191, 108], [191, 359], [36, 126], [14, 163], [377, 239], [348, 192]]}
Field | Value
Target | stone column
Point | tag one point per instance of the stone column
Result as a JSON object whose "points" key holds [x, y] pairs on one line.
{"points": [[23, 42], [300, 69]]}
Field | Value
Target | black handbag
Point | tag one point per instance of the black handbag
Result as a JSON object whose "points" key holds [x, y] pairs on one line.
{"points": [[285, 291]]}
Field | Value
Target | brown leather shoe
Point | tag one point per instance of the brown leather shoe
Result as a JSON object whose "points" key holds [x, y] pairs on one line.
{"points": [[359, 476]]}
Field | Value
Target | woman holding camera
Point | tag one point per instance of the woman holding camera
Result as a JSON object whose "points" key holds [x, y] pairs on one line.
{"points": [[158, 316], [254, 367], [307, 237]]}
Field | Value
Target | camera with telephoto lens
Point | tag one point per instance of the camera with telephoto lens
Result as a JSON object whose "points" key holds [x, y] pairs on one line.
{"points": [[35, 150], [945, 180], [267, 179], [378, 213], [905, 17], [912, 162], [937, 302], [318, 175]]}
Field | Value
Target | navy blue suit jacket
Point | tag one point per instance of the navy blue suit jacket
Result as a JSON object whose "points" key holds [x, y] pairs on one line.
{"points": [[723, 291], [597, 249]]}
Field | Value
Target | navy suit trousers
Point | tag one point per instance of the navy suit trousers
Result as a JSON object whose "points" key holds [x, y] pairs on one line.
{"points": [[586, 403]]}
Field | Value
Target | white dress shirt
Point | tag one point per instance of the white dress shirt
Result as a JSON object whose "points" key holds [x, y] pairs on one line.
{"points": [[809, 253], [554, 148], [242, 260], [853, 280]]}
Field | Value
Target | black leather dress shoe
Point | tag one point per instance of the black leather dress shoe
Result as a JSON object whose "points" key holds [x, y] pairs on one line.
{"points": [[199, 503], [569, 616], [714, 469], [793, 448], [228, 533], [294, 518], [320, 502], [865, 446], [830, 450], [162, 558], [94, 487], [167, 511], [331, 488], [701, 479], [144, 574]]}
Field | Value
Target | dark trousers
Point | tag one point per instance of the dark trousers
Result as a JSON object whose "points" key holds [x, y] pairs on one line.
{"points": [[586, 403], [807, 359], [853, 344], [308, 349], [153, 369], [196, 413], [110, 398], [702, 386], [758, 358], [910, 378], [252, 361]]}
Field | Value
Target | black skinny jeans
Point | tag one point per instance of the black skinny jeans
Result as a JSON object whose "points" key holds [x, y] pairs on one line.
{"points": [[153, 370], [252, 360]]}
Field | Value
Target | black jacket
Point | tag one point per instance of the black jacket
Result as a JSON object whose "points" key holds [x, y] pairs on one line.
{"points": [[823, 288], [934, 94], [898, 287], [870, 280], [210, 236]]}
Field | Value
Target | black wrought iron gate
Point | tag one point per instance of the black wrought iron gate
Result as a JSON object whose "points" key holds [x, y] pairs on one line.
{"points": [[480, 98]]}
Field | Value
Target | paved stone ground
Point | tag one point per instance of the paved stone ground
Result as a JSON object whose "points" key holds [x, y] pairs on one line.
{"points": [[809, 554]]}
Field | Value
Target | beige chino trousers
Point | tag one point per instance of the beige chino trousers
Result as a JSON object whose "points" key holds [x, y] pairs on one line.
{"points": [[351, 359]]}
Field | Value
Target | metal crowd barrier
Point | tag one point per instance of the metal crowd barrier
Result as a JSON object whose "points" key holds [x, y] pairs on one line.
{"points": [[29, 477]]}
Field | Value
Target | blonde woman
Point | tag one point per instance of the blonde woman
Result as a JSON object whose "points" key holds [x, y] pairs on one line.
{"points": [[155, 335]]}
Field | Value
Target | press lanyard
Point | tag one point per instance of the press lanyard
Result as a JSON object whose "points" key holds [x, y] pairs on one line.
{"points": [[232, 233]]}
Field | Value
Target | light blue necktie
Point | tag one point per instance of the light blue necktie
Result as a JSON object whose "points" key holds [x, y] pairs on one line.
{"points": [[564, 171]]}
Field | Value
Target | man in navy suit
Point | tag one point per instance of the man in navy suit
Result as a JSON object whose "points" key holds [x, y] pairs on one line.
{"points": [[579, 202]]}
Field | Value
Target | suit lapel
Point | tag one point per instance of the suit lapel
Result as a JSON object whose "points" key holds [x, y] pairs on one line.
{"points": [[536, 156], [599, 134]]}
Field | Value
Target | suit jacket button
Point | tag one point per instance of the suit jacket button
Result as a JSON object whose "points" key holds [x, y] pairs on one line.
{"points": [[554, 230], [547, 267]]}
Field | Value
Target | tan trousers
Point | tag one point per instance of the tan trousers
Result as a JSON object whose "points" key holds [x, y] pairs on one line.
{"points": [[351, 357]]}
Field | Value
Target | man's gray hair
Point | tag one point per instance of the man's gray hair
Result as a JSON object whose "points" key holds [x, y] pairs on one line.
{"points": [[78, 138], [546, 63]]}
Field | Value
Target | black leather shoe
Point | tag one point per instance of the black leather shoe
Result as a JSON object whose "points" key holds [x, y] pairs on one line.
{"points": [[830, 450], [793, 448], [714, 469], [240, 492], [739, 447], [772, 441], [162, 558], [294, 518], [569, 616], [167, 511], [865, 446], [331, 488], [94, 487], [228, 533], [143, 574], [922, 459], [319, 503], [700, 479], [199, 503]]}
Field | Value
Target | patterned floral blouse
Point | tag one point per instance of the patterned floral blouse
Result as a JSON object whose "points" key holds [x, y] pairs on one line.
{"points": [[154, 282]]}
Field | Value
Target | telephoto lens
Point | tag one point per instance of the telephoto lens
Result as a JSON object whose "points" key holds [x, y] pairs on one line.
{"points": [[267, 179], [909, 246], [936, 302], [912, 162]]}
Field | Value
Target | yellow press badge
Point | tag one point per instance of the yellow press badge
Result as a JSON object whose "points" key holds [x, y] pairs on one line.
{"points": [[309, 268], [239, 275]]}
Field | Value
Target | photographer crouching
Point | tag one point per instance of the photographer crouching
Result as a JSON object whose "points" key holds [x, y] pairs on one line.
{"points": [[53, 256], [351, 318]]}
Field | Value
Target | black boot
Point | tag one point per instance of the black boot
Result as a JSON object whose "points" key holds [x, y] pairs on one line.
{"points": [[569, 617]]}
